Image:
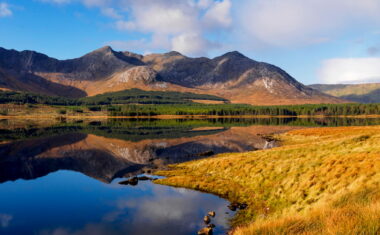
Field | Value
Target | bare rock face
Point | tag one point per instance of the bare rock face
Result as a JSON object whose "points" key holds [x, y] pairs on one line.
{"points": [[139, 74]]}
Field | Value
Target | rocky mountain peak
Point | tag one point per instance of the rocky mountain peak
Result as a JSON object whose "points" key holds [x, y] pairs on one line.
{"points": [[234, 54], [104, 49], [173, 53]]}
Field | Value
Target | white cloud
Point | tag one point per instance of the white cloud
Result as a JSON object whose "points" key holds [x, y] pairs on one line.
{"points": [[191, 43], [5, 10], [219, 14], [177, 25], [350, 70], [250, 23], [204, 3], [111, 12], [169, 24], [125, 25], [295, 22], [159, 16]]}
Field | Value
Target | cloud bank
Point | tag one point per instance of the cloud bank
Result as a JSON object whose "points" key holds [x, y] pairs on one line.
{"points": [[191, 26], [184, 26], [350, 70], [299, 22], [178, 25]]}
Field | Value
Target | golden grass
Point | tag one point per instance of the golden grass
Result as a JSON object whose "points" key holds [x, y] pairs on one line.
{"points": [[357, 89], [321, 181]]}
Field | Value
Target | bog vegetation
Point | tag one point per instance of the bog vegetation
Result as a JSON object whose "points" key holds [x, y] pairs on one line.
{"points": [[135, 102], [321, 181], [132, 96]]}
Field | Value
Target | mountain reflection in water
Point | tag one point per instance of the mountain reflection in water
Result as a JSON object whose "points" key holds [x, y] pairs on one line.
{"points": [[61, 178], [69, 203], [107, 152], [66, 201]]}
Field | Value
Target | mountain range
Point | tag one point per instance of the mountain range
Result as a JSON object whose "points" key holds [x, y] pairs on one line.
{"points": [[232, 76], [362, 93]]}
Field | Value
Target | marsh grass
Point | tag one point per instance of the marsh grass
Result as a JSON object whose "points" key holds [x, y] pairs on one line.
{"points": [[321, 181]]}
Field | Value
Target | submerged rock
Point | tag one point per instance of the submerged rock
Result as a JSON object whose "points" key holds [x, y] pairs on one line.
{"points": [[144, 178], [236, 205], [132, 181], [211, 213], [233, 206], [125, 182], [205, 231], [269, 144], [206, 219], [242, 206], [211, 226]]}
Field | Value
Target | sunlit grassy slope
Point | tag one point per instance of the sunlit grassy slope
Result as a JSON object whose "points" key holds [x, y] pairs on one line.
{"points": [[362, 93], [321, 181]]}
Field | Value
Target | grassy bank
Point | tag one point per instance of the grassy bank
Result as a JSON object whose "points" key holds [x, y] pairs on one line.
{"points": [[321, 181]]}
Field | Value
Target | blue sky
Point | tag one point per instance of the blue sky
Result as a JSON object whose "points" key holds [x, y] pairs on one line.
{"points": [[316, 41]]}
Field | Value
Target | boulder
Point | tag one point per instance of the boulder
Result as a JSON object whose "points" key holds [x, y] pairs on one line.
{"points": [[206, 219], [143, 178], [205, 231], [233, 206], [211, 226], [242, 206], [133, 181], [125, 182], [211, 213]]}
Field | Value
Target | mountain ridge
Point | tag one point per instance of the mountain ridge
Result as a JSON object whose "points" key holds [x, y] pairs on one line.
{"points": [[362, 93], [232, 76]]}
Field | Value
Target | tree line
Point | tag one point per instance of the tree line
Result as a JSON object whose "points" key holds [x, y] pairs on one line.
{"points": [[135, 102]]}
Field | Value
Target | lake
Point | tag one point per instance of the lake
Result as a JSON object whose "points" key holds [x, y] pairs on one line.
{"points": [[62, 177]]}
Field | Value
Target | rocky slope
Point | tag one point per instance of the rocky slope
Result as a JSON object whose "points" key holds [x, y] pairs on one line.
{"points": [[232, 76], [362, 93]]}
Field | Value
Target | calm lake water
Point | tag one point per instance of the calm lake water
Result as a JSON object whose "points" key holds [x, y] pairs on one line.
{"points": [[62, 177]]}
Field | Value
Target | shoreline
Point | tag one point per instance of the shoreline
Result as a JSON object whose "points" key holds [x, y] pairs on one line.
{"points": [[273, 202], [181, 116]]}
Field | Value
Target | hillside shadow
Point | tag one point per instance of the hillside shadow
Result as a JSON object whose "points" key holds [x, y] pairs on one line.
{"points": [[371, 97]]}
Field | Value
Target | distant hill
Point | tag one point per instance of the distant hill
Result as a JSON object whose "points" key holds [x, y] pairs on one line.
{"points": [[362, 93], [231, 76]]}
